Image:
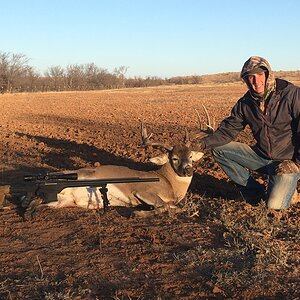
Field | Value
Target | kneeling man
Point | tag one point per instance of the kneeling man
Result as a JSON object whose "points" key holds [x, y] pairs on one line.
{"points": [[271, 108]]}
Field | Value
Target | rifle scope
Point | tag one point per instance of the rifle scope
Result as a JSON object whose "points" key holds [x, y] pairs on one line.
{"points": [[51, 176]]}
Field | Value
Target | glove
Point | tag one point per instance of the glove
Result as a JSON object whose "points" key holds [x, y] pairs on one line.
{"points": [[197, 145], [287, 167]]}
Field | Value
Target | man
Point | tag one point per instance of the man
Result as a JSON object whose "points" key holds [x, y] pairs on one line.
{"points": [[271, 108]]}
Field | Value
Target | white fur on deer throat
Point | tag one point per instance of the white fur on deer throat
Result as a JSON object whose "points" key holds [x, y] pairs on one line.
{"points": [[179, 184]]}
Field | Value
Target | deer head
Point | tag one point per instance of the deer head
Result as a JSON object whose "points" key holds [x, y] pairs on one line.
{"points": [[180, 156]]}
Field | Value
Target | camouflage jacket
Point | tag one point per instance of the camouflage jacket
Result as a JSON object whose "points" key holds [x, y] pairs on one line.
{"points": [[276, 129]]}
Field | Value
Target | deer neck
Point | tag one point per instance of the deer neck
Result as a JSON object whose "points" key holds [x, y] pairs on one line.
{"points": [[179, 184]]}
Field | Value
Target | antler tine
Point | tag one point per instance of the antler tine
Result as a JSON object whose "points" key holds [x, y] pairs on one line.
{"points": [[145, 136], [210, 127], [208, 118], [186, 139], [146, 139]]}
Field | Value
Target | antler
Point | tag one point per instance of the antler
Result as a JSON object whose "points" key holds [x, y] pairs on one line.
{"points": [[146, 139], [209, 126]]}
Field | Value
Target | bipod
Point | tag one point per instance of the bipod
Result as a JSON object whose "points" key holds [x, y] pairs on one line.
{"points": [[103, 191]]}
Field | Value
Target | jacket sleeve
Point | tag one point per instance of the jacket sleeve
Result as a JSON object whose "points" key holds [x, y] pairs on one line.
{"points": [[296, 118], [228, 129]]}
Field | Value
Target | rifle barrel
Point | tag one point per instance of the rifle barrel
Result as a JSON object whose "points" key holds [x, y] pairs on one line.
{"points": [[99, 182]]}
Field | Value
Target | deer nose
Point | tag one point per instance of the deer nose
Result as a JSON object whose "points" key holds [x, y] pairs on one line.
{"points": [[188, 170]]}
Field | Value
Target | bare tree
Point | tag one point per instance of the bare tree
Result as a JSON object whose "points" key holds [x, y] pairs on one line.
{"points": [[56, 74], [13, 67], [120, 73], [75, 77]]}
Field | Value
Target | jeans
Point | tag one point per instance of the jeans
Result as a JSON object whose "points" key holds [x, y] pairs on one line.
{"points": [[237, 159]]}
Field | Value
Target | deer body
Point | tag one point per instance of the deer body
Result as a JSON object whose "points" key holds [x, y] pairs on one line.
{"points": [[175, 175], [166, 193]]}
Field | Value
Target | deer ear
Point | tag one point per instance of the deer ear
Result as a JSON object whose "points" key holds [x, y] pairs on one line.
{"points": [[196, 155], [160, 160]]}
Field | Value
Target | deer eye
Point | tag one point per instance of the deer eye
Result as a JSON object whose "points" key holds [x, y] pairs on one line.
{"points": [[175, 159]]}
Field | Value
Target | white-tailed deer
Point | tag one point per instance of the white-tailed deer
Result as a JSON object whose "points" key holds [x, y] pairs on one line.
{"points": [[175, 175]]}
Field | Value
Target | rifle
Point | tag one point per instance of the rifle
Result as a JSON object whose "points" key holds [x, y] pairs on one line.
{"points": [[47, 186]]}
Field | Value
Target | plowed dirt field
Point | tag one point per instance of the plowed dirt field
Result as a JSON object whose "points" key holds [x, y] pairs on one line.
{"points": [[217, 247]]}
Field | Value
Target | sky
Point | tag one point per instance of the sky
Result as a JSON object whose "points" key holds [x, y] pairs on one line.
{"points": [[162, 38]]}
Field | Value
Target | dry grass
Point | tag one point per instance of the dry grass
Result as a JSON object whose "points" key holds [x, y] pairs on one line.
{"points": [[255, 247]]}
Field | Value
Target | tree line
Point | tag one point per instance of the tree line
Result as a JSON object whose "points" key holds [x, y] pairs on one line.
{"points": [[16, 75]]}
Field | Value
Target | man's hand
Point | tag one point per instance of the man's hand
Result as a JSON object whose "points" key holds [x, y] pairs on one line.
{"points": [[197, 145], [287, 167]]}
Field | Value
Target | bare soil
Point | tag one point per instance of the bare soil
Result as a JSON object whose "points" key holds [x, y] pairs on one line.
{"points": [[218, 247]]}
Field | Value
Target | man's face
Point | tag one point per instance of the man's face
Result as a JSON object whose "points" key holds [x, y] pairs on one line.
{"points": [[257, 82]]}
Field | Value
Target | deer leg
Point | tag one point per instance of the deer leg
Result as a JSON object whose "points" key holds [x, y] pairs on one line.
{"points": [[152, 200], [149, 199]]}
